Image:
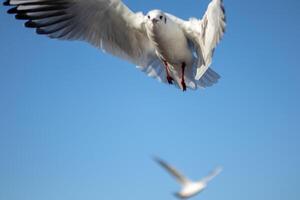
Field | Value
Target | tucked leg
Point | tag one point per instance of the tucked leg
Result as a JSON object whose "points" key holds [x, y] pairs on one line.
{"points": [[169, 78], [182, 76]]}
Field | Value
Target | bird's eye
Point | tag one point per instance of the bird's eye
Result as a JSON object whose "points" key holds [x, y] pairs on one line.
{"points": [[161, 17], [148, 16]]}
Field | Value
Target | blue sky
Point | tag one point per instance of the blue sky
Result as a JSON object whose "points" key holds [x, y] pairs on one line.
{"points": [[79, 124]]}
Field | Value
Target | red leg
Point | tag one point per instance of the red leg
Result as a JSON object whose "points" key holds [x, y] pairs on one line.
{"points": [[169, 78], [182, 77]]}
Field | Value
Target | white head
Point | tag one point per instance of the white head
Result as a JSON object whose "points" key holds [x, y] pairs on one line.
{"points": [[156, 17]]}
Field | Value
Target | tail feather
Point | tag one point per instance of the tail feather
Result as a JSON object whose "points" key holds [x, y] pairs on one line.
{"points": [[208, 79]]}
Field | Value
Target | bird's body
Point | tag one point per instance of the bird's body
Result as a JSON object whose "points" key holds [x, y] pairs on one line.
{"points": [[162, 45], [189, 188], [170, 43], [169, 40]]}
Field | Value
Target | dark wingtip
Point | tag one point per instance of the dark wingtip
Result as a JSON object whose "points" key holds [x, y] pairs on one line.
{"points": [[30, 24], [21, 16], [158, 160], [6, 3], [13, 10]]}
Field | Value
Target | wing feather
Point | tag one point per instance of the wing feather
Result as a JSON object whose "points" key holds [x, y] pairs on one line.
{"points": [[213, 29], [106, 24], [179, 177], [212, 175]]}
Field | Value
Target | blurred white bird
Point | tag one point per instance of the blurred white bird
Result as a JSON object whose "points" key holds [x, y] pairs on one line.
{"points": [[189, 188], [161, 45]]}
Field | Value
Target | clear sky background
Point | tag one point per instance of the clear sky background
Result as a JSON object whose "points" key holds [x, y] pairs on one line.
{"points": [[77, 124]]}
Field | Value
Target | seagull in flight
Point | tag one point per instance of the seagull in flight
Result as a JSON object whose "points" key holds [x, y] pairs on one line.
{"points": [[189, 188], [170, 49]]}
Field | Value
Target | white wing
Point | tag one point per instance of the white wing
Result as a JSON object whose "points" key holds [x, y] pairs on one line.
{"points": [[179, 177], [205, 34], [106, 24], [212, 175]]}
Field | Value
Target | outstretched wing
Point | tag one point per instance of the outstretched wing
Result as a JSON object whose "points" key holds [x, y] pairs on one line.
{"points": [[106, 24], [212, 175], [179, 177], [213, 29], [205, 34]]}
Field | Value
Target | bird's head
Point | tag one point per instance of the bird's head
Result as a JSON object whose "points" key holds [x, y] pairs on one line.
{"points": [[156, 17]]}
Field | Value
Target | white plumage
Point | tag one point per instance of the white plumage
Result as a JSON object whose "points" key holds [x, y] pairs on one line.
{"points": [[189, 188], [151, 42]]}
